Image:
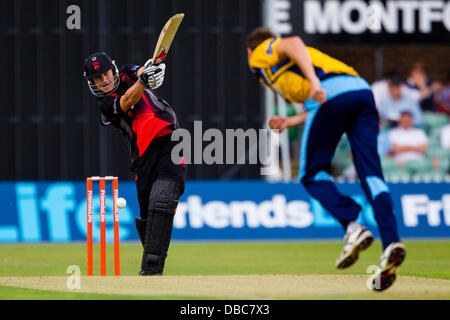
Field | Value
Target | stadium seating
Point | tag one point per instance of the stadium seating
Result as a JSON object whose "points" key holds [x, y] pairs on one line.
{"points": [[435, 165], [434, 121]]}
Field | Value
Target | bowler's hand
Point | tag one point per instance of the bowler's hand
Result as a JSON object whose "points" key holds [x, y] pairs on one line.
{"points": [[317, 93], [277, 123]]}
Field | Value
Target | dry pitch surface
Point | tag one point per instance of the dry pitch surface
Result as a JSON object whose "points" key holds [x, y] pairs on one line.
{"points": [[243, 286]]}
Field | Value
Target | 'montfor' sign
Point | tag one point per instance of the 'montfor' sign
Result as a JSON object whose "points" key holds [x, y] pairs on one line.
{"points": [[399, 21]]}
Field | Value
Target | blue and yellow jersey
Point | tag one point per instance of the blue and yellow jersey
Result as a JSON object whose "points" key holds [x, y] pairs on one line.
{"points": [[285, 77]]}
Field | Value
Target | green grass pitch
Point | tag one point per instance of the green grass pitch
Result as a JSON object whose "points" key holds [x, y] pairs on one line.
{"points": [[427, 259]]}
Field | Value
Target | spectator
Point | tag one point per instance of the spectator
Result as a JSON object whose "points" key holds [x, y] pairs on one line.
{"points": [[442, 98], [380, 89], [396, 102], [445, 136], [383, 143], [408, 143], [419, 81]]}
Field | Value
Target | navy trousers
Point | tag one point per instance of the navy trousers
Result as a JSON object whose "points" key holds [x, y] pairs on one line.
{"points": [[354, 113]]}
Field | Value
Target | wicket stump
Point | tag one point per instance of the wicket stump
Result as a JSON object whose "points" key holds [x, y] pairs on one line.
{"points": [[102, 187]]}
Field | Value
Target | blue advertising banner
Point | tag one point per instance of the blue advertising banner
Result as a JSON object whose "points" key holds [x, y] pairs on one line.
{"points": [[215, 210]]}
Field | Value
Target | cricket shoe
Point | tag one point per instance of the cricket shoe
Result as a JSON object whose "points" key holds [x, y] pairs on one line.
{"points": [[391, 259], [356, 239]]}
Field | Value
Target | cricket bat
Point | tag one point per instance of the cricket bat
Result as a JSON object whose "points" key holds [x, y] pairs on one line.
{"points": [[166, 37]]}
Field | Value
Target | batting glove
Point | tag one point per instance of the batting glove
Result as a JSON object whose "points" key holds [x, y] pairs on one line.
{"points": [[148, 63], [153, 76]]}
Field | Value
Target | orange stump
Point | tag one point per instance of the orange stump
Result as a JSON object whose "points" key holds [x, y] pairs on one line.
{"points": [[89, 225], [89, 204], [116, 227]]}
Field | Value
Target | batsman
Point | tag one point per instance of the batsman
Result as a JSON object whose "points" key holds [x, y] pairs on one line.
{"points": [[126, 101]]}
